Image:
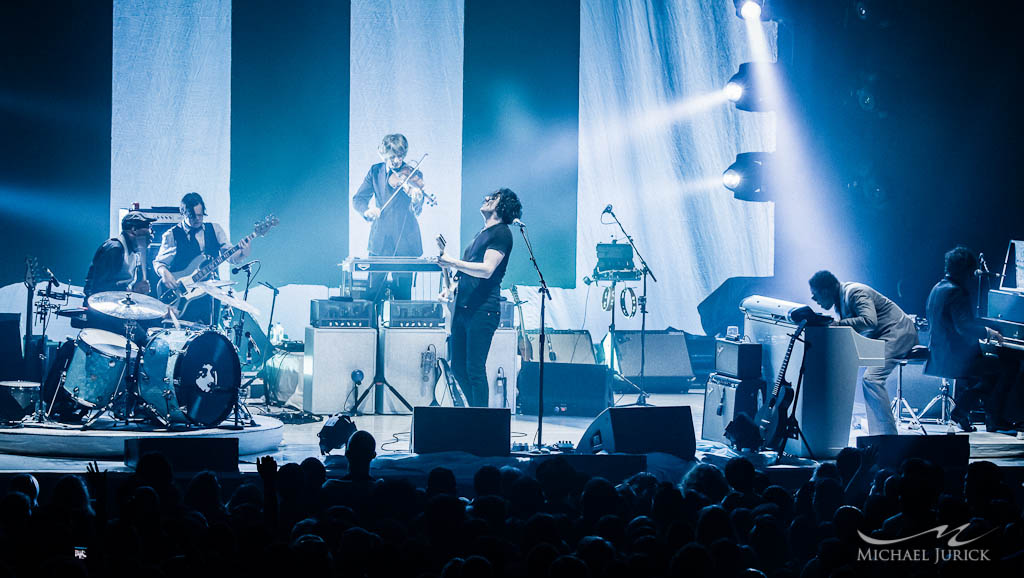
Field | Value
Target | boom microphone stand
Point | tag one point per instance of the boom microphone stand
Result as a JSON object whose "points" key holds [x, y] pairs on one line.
{"points": [[641, 399], [545, 295]]}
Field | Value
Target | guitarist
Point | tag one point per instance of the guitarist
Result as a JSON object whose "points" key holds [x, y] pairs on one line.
{"points": [[182, 244], [477, 309]]}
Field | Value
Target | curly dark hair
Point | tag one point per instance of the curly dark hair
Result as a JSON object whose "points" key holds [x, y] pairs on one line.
{"points": [[961, 262], [823, 280], [509, 208]]}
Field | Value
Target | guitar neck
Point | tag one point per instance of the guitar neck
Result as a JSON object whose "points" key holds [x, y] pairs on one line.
{"points": [[781, 378], [212, 265]]}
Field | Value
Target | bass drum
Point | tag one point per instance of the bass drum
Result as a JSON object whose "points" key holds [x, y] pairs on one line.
{"points": [[97, 368], [190, 376]]}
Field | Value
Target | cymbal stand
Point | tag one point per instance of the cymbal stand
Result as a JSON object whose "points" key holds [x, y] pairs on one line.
{"points": [[641, 399]]}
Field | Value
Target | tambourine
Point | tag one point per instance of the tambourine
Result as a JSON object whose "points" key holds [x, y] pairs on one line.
{"points": [[627, 301], [608, 299]]}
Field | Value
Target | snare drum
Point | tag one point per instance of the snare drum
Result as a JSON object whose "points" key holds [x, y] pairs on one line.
{"points": [[190, 376], [97, 367]]}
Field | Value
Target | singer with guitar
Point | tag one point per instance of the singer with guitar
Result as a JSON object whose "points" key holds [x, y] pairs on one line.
{"points": [[477, 310], [190, 239]]}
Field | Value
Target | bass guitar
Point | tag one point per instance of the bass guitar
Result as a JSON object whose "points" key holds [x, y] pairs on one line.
{"points": [[771, 419], [203, 267]]}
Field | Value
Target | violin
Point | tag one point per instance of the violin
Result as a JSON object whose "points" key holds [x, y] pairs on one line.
{"points": [[410, 180]]}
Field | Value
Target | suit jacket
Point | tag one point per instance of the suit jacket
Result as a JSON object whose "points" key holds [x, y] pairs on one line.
{"points": [[396, 233], [954, 348], [874, 315]]}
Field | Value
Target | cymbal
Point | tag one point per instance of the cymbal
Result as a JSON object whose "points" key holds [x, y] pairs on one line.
{"points": [[127, 305], [219, 294]]}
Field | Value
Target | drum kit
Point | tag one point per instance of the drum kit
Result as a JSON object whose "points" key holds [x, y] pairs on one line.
{"points": [[184, 375]]}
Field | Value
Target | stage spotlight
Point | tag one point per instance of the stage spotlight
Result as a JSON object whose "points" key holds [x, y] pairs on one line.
{"points": [[752, 9], [749, 88], [733, 91], [748, 177], [335, 433]]}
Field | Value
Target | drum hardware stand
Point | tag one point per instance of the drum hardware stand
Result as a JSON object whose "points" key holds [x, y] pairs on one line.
{"points": [[545, 295], [642, 396], [43, 309]]}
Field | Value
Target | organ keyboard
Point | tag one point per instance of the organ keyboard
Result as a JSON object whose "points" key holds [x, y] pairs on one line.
{"points": [[829, 357]]}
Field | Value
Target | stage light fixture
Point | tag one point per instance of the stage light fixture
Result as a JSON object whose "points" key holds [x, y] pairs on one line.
{"points": [[748, 177], [733, 91], [753, 9], [747, 88]]}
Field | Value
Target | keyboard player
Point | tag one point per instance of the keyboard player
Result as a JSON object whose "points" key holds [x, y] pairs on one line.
{"points": [[955, 350], [872, 315]]}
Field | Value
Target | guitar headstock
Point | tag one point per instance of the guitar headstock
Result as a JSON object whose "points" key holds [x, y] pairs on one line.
{"points": [[514, 292], [31, 272], [268, 222]]}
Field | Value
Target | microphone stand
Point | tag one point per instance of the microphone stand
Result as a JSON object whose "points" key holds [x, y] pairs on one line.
{"points": [[641, 399], [545, 295], [266, 357]]}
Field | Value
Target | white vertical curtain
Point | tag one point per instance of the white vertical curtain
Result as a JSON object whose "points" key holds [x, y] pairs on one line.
{"points": [[171, 105]]}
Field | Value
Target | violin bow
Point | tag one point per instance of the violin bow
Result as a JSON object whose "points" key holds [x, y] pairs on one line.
{"points": [[406, 180]]}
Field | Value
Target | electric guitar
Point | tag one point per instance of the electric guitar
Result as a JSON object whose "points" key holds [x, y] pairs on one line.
{"points": [[771, 418], [203, 266], [450, 284], [525, 347]]}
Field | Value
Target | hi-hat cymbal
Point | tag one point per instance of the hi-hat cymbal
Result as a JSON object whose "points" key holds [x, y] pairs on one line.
{"points": [[230, 300], [127, 305]]}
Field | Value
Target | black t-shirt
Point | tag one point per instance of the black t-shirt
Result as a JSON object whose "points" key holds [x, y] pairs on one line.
{"points": [[484, 294]]}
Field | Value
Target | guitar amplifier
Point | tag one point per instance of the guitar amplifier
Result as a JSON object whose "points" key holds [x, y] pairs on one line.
{"points": [[737, 359], [413, 314], [337, 313], [724, 398]]}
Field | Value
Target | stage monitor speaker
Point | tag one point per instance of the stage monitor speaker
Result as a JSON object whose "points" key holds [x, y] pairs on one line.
{"points": [[502, 373], [218, 454], [726, 397], [642, 430], [667, 367], [11, 361], [563, 345], [410, 365], [330, 358], [579, 389], [480, 431], [946, 451]]}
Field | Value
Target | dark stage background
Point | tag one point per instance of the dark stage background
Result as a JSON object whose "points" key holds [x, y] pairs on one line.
{"points": [[913, 109]]}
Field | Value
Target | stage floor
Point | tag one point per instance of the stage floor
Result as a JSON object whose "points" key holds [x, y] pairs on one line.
{"points": [[299, 441]]}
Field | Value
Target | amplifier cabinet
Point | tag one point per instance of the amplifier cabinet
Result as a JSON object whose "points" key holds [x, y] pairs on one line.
{"points": [[330, 357], [410, 365], [737, 359], [341, 313], [725, 398], [503, 370]]}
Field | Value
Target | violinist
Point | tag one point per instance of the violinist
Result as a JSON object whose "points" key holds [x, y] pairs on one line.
{"points": [[397, 194]]}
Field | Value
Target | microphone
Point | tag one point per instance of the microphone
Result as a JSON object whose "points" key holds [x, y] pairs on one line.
{"points": [[607, 209], [252, 346], [53, 278], [427, 361], [587, 280], [246, 267], [518, 223]]}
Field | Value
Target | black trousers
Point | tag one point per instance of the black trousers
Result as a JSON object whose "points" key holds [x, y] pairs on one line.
{"points": [[992, 381], [472, 331]]}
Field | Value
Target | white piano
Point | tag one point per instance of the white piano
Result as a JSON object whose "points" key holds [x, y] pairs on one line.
{"points": [[830, 356]]}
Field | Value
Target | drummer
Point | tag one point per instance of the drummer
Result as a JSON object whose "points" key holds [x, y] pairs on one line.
{"points": [[118, 266]]}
